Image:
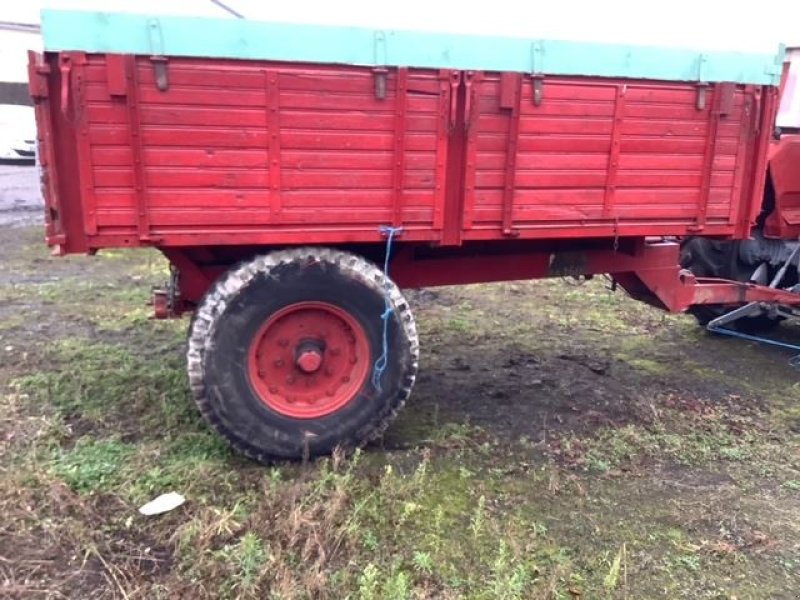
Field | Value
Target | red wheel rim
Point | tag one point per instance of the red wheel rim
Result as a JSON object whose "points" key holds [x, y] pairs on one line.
{"points": [[309, 360]]}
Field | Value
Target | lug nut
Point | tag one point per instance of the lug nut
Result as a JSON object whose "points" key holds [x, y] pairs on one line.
{"points": [[278, 363], [273, 389], [346, 378]]}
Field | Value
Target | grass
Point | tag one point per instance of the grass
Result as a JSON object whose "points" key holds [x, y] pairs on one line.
{"points": [[563, 442]]}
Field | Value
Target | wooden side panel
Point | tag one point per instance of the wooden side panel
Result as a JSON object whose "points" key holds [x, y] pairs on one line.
{"points": [[257, 152], [261, 144], [608, 152]]}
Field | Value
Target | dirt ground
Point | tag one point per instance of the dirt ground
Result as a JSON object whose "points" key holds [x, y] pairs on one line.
{"points": [[562, 442]]}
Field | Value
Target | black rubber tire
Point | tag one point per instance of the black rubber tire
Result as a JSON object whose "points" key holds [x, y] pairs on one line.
{"points": [[715, 258], [240, 302]]}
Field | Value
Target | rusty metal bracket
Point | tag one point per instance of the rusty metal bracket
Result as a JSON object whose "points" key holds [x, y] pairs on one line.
{"points": [[156, 38]]}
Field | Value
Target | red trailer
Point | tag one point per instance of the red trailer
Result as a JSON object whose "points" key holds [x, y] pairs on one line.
{"points": [[276, 166]]}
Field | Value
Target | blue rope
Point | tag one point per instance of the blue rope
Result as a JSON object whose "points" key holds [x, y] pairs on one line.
{"points": [[794, 361], [383, 360]]}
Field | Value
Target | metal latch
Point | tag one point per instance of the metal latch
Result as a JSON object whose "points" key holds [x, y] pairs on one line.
{"points": [[157, 57], [702, 84], [537, 72], [380, 71]]}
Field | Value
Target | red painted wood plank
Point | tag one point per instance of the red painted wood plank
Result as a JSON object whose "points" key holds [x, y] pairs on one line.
{"points": [[561, 108], [337, 101], [681, 112], [353, 159], [354, 122], [183, 157], [583, 179], [232, 216], [322, 141]]}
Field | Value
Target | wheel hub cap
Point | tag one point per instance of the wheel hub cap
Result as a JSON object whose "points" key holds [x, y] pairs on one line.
{"points": [[309, 360]]}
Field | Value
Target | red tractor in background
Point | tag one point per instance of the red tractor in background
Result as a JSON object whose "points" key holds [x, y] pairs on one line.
{"points": [[776, 230]]}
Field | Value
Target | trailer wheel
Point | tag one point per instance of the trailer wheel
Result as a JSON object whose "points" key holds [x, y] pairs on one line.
{"points": [[713, 258], [282, 349]]}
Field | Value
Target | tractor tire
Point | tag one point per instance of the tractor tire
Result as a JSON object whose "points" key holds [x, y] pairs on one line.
{"points": [[282, 350], [714, 258]]}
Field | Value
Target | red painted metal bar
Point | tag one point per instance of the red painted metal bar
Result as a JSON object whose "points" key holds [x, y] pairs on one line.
{"points": [[136, 144], [613, 156], [740, 168], [274, 144], [38, 71], [453, 205], [398, 172], [472, 82], [708, 160], [76, 111], [442, 136], [513, 91]]}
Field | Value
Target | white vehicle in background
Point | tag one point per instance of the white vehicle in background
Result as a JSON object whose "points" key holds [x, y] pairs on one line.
{"points": [[17, 134]]}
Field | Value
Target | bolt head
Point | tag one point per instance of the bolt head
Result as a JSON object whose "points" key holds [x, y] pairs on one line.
{"points": [[273, 389], [278, 363], [309, 361], [345, 378]]}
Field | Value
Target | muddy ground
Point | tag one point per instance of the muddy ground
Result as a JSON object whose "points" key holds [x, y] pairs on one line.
{"points": [[562, 441]]}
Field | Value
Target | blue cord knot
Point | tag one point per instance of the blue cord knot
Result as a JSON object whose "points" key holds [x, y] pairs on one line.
{"points": [[383, 360]]}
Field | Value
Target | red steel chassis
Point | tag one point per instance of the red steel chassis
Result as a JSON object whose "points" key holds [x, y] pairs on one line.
{"points": [[491, 176]]}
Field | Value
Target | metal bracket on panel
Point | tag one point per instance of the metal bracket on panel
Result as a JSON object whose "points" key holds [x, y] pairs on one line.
{"points": [[38, 70], [379, 70], [65, 66], [537, 72], [156, 39], [702, 84]]}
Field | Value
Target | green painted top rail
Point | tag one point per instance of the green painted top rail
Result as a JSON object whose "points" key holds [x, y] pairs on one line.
{"points": [[239, 39]]}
